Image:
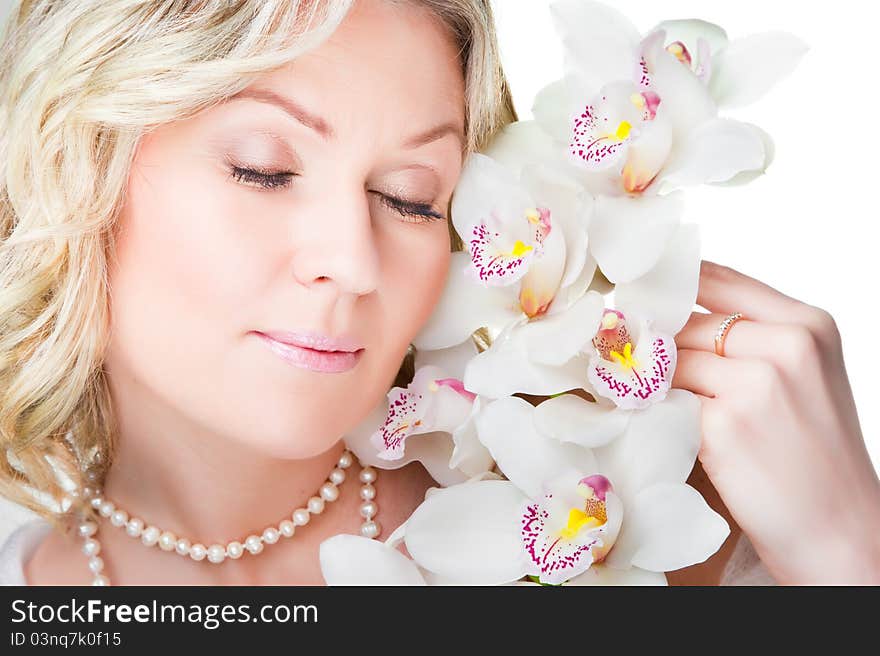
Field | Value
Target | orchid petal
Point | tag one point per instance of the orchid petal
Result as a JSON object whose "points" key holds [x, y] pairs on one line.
{"points": [[525, 143], [571, 418], [451, 361], [667, 526], [469, 533], [668, 292], [555, 339], [486, 189], [745, 177], [629, 234], [636, 385], [411, 410], [469, 454], [506, 368], [599, 42], [659, 445], [750, 66], [571, 208], [464, 307], [647, 153], [553, 108], [507, 428], [433, 450], [690, 30], [355, 560], [687, 101], [558, 550], [538, 287], [603, 130], [716, 151]]}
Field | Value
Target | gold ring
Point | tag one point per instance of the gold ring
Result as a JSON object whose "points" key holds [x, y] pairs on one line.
{"points": [[723, 329]]}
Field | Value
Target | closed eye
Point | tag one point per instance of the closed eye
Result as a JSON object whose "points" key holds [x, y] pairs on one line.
{"points": [[282, 179]]}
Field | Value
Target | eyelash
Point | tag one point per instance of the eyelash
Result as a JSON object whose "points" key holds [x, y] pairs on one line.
{"points": [[270, 181]]}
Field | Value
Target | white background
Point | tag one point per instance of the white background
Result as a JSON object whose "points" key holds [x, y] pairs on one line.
{"points": [[808, 227]]}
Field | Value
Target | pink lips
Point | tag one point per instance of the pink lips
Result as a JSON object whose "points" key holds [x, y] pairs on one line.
{"points": [[313, 351]]}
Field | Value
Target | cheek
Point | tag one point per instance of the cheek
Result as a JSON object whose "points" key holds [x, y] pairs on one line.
{"points": [[417, 277], [183, 253]]}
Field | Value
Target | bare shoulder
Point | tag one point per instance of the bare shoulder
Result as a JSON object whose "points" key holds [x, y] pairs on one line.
{"points": [[710, 570], [57, 560]]}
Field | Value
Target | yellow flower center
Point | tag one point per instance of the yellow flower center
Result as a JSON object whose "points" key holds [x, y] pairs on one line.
{"points": [[627, 359], [519, 248], [623, 131], [532, 215], [577, 519]]}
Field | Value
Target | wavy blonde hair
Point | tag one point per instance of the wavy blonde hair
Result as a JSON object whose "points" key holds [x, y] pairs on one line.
{"points": [[80, 83]]}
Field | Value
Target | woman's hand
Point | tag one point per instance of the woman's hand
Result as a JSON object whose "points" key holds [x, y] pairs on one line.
{"points": [[781, 437]]}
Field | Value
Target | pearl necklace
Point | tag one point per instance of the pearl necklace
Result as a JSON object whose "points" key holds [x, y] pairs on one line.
{"points": [[151, 535]]}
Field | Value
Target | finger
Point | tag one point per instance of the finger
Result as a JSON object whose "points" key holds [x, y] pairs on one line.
{"points": [[705, 373], [724, 290], [745, 339]]}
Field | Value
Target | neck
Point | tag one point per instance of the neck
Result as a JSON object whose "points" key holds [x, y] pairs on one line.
{"points": [[202, 485]]}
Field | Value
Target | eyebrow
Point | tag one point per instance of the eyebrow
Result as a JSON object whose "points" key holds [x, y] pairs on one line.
{"points": [[326, 131]]}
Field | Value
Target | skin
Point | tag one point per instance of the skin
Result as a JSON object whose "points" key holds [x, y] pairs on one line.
{"points": [[218, 437], [781, 438]]}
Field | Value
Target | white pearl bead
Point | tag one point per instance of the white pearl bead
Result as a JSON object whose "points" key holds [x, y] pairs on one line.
{"points": [[253, 544], [106, 509], [96, 502], [134, 527], [198, 551], [96, 564], [271, 535], [368, 509], [368, 475], [216, 553], [300, 516], [88, 491], [345, 460], [150, 535], [182, 546], [100, 579], [337, 476], [370, 529], [316, 505], [368, 492], [119, 517], [91, 547], [87, 528], [234, 550], [167, 541], [329, 491], [287, 528]]}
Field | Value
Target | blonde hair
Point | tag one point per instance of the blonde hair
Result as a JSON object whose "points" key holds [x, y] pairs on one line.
{"points": [[80, 83]]}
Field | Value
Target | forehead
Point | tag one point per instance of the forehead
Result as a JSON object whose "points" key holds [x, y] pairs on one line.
{"points": [[389, 67]]}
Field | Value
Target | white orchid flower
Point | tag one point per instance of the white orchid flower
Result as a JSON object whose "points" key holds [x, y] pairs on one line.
{"points": [[634, 103], [565, 351], [526, 238], [430, 420], [566, 508]]}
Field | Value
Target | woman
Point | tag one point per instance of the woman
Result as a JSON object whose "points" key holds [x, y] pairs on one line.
{"points": [[190, 186]]}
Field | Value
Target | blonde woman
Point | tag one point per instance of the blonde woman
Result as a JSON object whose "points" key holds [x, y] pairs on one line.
{"points": [[222, 225]]}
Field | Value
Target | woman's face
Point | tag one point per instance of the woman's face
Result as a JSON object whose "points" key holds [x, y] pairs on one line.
{"points": [[339, 239]]}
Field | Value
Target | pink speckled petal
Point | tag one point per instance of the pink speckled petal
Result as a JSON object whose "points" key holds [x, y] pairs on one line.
{"points": [[637, 387], [595, 141], [552, 556]]}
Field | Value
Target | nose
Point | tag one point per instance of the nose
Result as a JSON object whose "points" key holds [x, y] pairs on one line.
{"points": [[335, 250]]}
